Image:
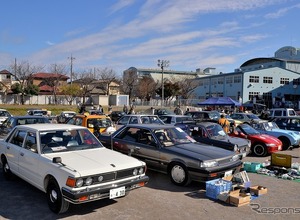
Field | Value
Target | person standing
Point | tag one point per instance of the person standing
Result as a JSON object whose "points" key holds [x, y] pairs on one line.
{"points": [[224, 123], [125, 109]]}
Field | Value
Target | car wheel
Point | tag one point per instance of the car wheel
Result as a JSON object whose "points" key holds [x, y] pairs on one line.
{"points": [[179, 174], [6, 170], [285, 142], [260, 150], [56, 202]]}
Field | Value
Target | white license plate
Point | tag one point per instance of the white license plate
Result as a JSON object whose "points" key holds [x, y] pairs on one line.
{"points": [[228, 173], [118, 192]]}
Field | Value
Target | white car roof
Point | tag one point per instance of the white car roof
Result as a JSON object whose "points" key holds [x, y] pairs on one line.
{"points": [[46, 127]]}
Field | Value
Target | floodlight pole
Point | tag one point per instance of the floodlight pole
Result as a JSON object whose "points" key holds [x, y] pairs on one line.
{"points": [[162, 64]]}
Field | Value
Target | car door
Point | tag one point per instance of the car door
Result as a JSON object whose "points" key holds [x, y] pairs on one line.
{"points": [[13, 150], [29, 159]]}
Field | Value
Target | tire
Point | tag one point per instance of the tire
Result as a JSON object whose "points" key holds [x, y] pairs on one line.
{"points": [[285, 142], [6, 170], [56, 202], [179, 174], [260, 150]]}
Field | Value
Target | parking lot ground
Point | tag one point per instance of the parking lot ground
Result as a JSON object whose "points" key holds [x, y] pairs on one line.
{"points": [[160, 199]]}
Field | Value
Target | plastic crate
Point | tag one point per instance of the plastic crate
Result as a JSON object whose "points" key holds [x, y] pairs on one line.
{"points": [[217, 186], [252, 167]]}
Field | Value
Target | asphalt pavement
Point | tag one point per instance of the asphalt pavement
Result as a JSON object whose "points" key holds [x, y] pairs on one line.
{"points": [[160, 199]]}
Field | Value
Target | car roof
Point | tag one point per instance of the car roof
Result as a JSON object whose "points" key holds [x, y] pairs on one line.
{"points": [[27, 116], [42, 127], [151, 126]]}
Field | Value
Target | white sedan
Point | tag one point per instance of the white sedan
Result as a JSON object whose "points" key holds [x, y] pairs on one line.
{"points": [[69, 164]]}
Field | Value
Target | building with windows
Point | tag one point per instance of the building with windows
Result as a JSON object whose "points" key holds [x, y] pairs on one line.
{"points": [[273, 81]]}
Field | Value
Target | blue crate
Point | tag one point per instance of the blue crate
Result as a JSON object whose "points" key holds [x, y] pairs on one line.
{"points": [[217, 186], [252, 167]]}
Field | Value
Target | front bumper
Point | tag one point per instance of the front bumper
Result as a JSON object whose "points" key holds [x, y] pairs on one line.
{"points": [[214, 174], [101, 192]]}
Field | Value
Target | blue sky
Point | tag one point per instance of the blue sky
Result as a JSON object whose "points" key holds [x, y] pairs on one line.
{"points": [[118, 34]]}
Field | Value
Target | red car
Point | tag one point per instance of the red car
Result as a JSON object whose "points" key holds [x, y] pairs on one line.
{"points": [[261, 144]]}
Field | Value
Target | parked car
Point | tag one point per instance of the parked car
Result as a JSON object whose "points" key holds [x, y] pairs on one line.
{"points": [[275, 112], [247, 118], [138, 119], [168, 149], [158, 111], [199, 116], [37, 112], [261, 144], [65, 116], [4, 114], [181, 121], [103, 122], [13, 121], [116, 115], [69, 164], [288, 122], [213, 134], [288, 138]]}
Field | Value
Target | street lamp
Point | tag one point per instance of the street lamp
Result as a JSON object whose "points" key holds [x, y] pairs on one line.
{"points": [[162, 64]]}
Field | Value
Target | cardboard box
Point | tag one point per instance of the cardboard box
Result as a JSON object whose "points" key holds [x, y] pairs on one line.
{"points": [[240, 199], [258, 190]]}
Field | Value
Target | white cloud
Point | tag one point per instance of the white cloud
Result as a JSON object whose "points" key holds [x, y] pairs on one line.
{"points": [[121, 4]]}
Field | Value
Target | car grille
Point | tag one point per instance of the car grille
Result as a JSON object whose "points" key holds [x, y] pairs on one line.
{"points": [[224, 161], [121, 174]]}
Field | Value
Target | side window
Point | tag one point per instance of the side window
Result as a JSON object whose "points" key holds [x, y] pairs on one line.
{"points": [[78, 121], [123, 120], [18, 138], [133, 120], [30, 142]]}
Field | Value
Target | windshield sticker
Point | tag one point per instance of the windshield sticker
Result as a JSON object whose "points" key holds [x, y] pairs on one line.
{"points": [[59, 148]]}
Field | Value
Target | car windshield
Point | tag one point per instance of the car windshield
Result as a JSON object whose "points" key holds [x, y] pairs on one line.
{"points": [[252, 116], [216, 130], [172, 136], [268, 126], [248, 130], [67, 140], [101, 122]]}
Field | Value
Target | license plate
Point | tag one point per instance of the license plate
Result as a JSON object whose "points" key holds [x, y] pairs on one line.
{"points": [[228, 173], [118, 192]]}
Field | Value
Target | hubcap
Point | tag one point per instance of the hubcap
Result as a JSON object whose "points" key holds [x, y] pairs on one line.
{"points": [[178, 174], [53, 196]]}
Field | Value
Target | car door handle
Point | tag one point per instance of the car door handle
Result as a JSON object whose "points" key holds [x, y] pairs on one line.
{"points": [[22, 154]]}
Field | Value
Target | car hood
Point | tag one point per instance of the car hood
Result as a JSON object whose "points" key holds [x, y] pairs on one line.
{"points": [[88, 162], [241, 142], [201, 151], [265, 138]]}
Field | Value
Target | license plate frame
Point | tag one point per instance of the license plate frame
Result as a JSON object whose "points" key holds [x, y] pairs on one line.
{"points": [[117, 192]]}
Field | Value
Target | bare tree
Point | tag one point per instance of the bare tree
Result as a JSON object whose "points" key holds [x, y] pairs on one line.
{"points": [[129, 83], [106, 76], [146, 88], [187, 87], [22, 72], [71, 91], [59, 72], [86, 81]]}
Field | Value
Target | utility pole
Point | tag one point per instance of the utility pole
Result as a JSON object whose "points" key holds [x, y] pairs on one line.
{"points": [[71, 74], [162, 64]]}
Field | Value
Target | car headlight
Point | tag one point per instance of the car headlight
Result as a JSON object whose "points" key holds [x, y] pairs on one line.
{"points": [[89, 181], [209, 163], [235, 148], [271, 145], [79, 182], [141, 170], [135, 172], [235, 157]]}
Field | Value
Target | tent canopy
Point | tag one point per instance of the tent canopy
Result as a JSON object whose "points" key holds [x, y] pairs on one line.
{"points": [[220, 101]]}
